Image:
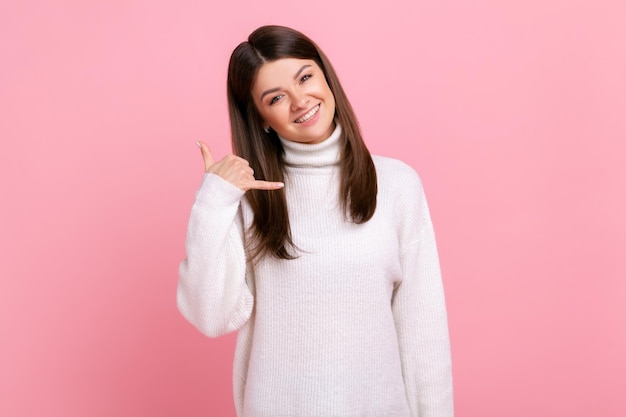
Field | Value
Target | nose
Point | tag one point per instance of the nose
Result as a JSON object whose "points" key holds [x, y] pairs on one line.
{"points": [[299, 101]]}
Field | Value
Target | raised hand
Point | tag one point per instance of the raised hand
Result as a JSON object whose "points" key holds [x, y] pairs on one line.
{"points": [[235, 170]]}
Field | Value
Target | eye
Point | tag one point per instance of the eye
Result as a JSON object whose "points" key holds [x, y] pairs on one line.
{"points": [[274, 99], [305, 77]]}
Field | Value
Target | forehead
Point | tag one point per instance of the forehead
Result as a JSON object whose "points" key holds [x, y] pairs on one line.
{"points": [[280, 72]]}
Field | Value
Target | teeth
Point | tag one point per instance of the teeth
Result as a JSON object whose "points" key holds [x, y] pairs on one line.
{"points": [[308, 115]]}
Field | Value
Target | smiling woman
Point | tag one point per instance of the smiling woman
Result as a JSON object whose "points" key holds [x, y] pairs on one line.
{"points": [[302, 107], [320, 254]]}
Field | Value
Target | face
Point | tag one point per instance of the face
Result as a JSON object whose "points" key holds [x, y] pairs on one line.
{"points": [[293, 98]]}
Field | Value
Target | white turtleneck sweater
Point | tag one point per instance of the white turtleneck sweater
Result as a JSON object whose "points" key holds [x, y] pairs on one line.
{"points": [[355, 326]]}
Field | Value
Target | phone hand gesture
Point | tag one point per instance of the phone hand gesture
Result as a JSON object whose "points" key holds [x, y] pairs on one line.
{"points": [[235, 170]]}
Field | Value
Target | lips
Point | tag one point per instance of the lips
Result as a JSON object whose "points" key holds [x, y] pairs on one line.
{"points": [[308, 115]]}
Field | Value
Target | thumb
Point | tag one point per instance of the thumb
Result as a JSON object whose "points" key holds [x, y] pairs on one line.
{"points": [[206, 154]]}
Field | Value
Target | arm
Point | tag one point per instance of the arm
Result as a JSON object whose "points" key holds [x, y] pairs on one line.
{"points": [[419, 311], [212, 291]]}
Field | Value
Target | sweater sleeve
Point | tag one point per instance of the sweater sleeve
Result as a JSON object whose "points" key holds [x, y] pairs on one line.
{"points": [[420, 316], [212, 291]]}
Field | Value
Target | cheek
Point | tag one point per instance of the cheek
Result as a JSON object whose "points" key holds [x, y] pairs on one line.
{"points": [[276, 115], [265, 113], [331, 98], [329, 93]]}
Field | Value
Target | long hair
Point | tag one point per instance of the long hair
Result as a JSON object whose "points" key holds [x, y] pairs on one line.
{"points": [[271, 233]]}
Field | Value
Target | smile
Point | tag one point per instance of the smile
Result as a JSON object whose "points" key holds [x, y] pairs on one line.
{"points": [[308, 115]]}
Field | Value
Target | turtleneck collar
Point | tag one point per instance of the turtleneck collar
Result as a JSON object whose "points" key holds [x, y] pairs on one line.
{"points": [[320, 154]]}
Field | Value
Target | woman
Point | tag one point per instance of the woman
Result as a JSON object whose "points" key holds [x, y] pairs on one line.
{"points": [[322, 256]]}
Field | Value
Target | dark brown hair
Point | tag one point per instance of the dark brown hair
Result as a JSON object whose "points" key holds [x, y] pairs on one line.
{"points": [[271, 233]]}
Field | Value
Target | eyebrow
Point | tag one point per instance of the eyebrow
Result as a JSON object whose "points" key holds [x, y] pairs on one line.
{"points": [[300, 71], [273, 90]]}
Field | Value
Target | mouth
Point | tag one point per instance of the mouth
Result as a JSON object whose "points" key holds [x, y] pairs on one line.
{"points": [[308, 114]]}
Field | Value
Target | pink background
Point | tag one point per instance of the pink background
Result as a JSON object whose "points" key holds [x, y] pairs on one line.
{"points": [[514, 113]]}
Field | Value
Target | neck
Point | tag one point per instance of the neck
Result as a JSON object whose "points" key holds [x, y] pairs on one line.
{"points": [[320, 154]]}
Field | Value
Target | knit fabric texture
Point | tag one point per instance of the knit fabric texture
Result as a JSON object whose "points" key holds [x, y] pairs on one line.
{"points": [[354, 326]]}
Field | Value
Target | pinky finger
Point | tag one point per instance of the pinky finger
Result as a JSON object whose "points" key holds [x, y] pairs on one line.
{"points": [[265, 185]]}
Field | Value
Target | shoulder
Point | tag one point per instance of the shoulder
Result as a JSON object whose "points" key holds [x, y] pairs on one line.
{"points": [[401, 194], [394, 174]]}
